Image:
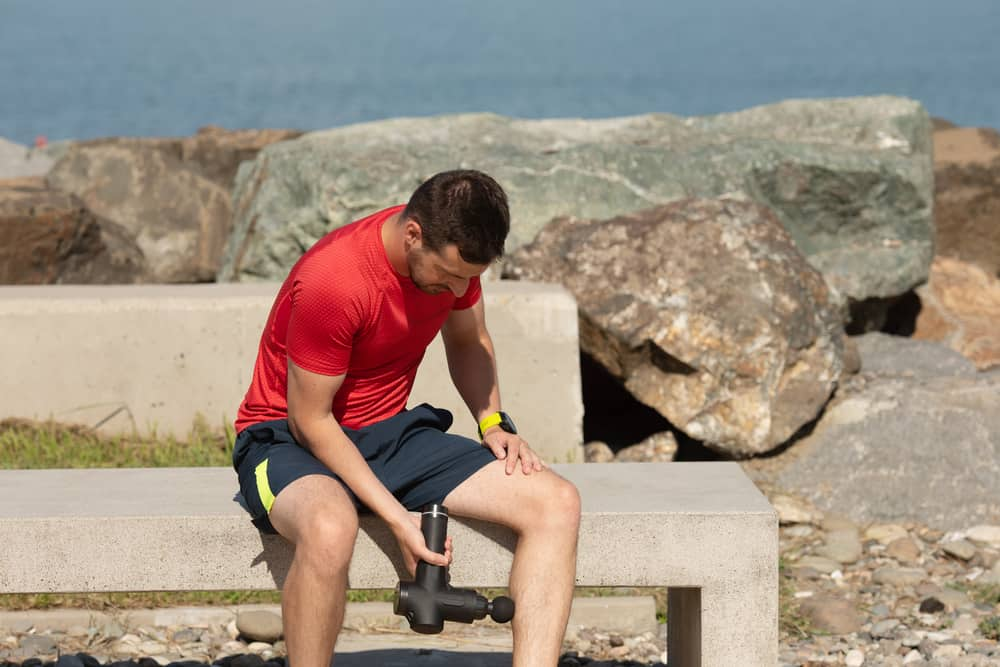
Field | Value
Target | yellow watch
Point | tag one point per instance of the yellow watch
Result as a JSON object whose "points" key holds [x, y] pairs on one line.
{"points": [[501, 419]]}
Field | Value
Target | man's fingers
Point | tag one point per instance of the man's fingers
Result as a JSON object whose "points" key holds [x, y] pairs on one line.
{"points": [[513, 449], [531, 461], [528, 459], [434, 558], [498, 450]]}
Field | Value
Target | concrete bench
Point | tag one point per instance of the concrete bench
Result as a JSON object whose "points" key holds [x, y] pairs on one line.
{"points": [[702, 530]]}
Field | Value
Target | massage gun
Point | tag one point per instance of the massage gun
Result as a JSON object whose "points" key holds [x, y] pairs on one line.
{"points": [[429, 601]]}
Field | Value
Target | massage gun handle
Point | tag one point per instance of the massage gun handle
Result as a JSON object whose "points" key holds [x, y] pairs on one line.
{"points": [[434, 525]]}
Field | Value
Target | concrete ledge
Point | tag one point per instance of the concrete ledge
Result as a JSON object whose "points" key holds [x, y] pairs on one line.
{"points": [[153, 357], [681, 524], [700, 529]]}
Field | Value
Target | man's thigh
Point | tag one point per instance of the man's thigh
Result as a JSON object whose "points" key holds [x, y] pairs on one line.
{"points": [[416, 459], [510, 500], [276, 474], [300, 506]]}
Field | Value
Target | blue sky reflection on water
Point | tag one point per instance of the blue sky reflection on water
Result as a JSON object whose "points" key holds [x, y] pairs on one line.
{"points": [[135, 67]]}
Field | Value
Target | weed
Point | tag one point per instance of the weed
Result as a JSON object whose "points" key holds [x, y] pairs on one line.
{"points": [[790, 619], [990, 627]]}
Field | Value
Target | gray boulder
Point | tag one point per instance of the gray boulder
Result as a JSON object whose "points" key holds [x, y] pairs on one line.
{"points": [[17, 161], [896, 356], [178, 218], [923, 449], [705, 310], [851, 180]]}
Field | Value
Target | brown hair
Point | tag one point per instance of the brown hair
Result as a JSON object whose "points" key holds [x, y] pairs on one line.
{"points": [[464, 207]]}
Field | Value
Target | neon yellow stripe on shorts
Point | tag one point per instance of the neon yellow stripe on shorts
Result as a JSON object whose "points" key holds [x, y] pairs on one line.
{"points": [[263, 487]]}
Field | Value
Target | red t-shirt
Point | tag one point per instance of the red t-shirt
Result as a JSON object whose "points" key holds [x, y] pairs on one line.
{"points": [[344, 310]]}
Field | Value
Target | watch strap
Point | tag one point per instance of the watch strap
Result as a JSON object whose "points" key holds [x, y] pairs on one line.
{"points": [[489, 422]]}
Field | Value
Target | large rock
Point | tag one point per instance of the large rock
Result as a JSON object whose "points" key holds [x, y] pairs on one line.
{"points": [[889, 449], [897, 356], [705, 310], [17, 161], [217, 152], [178, 218], [967, 195], [851, 180], [960, 307], [49, 237], [171, 194]]}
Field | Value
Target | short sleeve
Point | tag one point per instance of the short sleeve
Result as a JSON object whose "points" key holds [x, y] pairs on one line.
{"points": [[471, 296], [323, 320]]}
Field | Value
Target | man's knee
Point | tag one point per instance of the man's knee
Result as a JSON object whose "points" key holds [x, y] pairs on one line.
{"points": [[327, 540], [567, 500], [558, 507]]}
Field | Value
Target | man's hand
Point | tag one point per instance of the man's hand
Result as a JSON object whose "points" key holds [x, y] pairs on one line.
{"points": [[414, 547], [512, 447]]}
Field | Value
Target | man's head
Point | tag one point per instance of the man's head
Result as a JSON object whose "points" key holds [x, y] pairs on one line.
{"points": [[455, 225]]}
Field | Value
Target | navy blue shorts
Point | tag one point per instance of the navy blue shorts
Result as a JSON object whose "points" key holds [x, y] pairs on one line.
{"points": [[410, 453]]}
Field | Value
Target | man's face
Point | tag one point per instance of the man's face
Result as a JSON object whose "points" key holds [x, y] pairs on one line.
{"points": [[437, 272]]}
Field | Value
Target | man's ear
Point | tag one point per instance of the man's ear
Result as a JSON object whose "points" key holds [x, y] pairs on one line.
{"points": [[412, 232]]}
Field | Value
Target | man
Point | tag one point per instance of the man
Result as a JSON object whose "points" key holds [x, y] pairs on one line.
{"points": [[323, 431]]}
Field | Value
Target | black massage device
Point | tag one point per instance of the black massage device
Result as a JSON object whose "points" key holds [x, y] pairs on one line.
{"points": [[429, 601]]}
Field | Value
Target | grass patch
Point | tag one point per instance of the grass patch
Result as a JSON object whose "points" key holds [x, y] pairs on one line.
{"points": [[153, 600], [985, 593], [990, 627], [32, 445], [981, 593], [120, 601], [790, 620]]}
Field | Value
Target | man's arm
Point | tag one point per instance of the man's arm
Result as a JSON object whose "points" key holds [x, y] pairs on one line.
{"points": [[310, 396], [472, 364]]}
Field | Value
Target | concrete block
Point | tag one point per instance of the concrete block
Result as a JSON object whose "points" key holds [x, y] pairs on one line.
{"points": [[151, 358], [700, 529]]}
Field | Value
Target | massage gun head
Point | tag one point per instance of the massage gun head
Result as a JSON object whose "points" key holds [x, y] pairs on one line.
{"points": [[501, 609], [427, 610]]}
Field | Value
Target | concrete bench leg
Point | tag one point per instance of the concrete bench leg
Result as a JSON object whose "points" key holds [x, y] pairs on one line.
{"points": [[736, 624]]}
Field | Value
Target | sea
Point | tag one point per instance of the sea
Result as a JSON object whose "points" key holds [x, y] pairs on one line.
{"points": [[79, 69]]}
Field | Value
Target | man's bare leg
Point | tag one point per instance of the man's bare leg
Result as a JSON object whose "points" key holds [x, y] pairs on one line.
{"points": [[318, 517], [544, 510]]}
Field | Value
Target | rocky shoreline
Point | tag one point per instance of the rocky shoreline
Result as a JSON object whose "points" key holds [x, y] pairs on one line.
{"points": [[717, 261]]}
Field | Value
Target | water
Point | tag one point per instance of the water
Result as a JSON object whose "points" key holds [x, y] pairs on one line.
{"points": [[88, 68]]}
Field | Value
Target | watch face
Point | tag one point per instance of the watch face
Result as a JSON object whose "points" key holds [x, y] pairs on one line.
{"points": [[506, 423]]}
